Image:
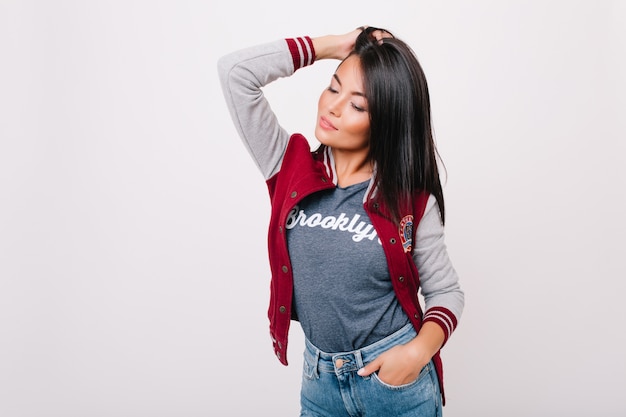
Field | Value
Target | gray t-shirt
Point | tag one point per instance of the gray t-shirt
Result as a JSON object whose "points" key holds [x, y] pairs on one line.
{"points": [[343, 295]]}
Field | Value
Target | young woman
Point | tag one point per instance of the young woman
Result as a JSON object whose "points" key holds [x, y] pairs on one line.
{"points": [[356, 227]]}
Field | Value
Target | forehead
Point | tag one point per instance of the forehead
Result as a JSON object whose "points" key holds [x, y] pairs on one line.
{"points": [[350, 70]]}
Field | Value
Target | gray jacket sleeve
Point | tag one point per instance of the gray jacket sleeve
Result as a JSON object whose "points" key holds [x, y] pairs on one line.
{"points": [[438, 278], [242, 74]]}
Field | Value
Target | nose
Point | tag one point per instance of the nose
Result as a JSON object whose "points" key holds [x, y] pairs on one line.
{"points": [[334, 107]]}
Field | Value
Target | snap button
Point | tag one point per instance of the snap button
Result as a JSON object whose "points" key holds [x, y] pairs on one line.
{"points": [[392, 241], [285, 269], [401, 278], [282, 309]]}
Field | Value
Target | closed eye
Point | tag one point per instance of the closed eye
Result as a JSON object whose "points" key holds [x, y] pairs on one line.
{"points": [[357, 108]]}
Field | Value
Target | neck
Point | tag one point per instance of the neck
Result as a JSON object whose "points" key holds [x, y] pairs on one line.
{"points": [[352, 167]]}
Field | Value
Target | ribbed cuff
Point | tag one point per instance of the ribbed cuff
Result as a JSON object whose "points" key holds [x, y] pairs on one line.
{"points": [[302, 51], [444, 318]]}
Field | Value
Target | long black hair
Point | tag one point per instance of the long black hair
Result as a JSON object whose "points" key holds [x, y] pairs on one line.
{"points": [[401, 137]]}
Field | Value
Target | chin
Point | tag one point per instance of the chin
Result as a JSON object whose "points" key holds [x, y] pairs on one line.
{"points": [[321, 138]]}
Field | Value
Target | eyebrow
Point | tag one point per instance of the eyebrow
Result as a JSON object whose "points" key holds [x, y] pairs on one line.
{"points": [[354, 93]]}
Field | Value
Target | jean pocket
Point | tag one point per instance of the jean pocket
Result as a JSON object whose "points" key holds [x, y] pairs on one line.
{"points": [[422, 376]]}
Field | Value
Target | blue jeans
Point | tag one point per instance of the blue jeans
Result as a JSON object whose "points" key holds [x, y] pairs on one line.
{"points": [[331, 386]]}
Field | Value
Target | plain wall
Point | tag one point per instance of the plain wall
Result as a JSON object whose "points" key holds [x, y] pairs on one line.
{"points": [[133, 271]]}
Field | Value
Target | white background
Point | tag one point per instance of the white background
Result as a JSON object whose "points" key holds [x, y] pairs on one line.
{"points": [[133, 271]]}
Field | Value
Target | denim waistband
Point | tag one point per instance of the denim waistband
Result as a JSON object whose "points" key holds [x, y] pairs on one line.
{"points": [[342, 362]]}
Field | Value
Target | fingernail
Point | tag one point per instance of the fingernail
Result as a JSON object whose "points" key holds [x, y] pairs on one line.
{"points": [[360, 371]]}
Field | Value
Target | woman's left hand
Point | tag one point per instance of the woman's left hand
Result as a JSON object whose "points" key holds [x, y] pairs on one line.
{"points": [[397, 366], [402, 363]]}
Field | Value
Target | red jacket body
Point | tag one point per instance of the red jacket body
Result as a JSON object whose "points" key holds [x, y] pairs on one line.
{"points": [[304, 173]]}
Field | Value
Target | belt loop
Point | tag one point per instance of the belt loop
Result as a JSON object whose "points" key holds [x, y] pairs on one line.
{"points": [[316, 366], [359, 362]]}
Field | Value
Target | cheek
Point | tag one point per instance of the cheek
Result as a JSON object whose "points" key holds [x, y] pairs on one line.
{"points": [[321, 102], [361, 125]]}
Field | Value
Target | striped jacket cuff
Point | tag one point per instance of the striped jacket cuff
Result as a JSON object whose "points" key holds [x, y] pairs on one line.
{"points": [[302, 51], [444, 318]]}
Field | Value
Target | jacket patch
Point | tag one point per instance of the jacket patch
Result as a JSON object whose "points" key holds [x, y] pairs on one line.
{"points": [[406, 233]]}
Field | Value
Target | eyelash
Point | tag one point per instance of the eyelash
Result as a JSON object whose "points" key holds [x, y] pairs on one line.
{"points": [[354, 106]]}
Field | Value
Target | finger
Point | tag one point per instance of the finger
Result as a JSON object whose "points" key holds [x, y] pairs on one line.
{"points": [[380, 34], [370, 368]]}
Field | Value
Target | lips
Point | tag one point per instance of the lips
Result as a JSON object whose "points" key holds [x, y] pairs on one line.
{"points": [[326, 124]]}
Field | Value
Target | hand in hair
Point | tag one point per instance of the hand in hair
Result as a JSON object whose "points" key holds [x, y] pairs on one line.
{"points": [[340, 46], [335, 46], [376, 33]]}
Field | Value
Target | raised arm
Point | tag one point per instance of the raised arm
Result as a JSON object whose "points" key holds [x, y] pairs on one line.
{"points": [[242, 75]]}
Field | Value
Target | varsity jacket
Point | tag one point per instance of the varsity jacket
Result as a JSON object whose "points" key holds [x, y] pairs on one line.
{"points": [[293, 172]]}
